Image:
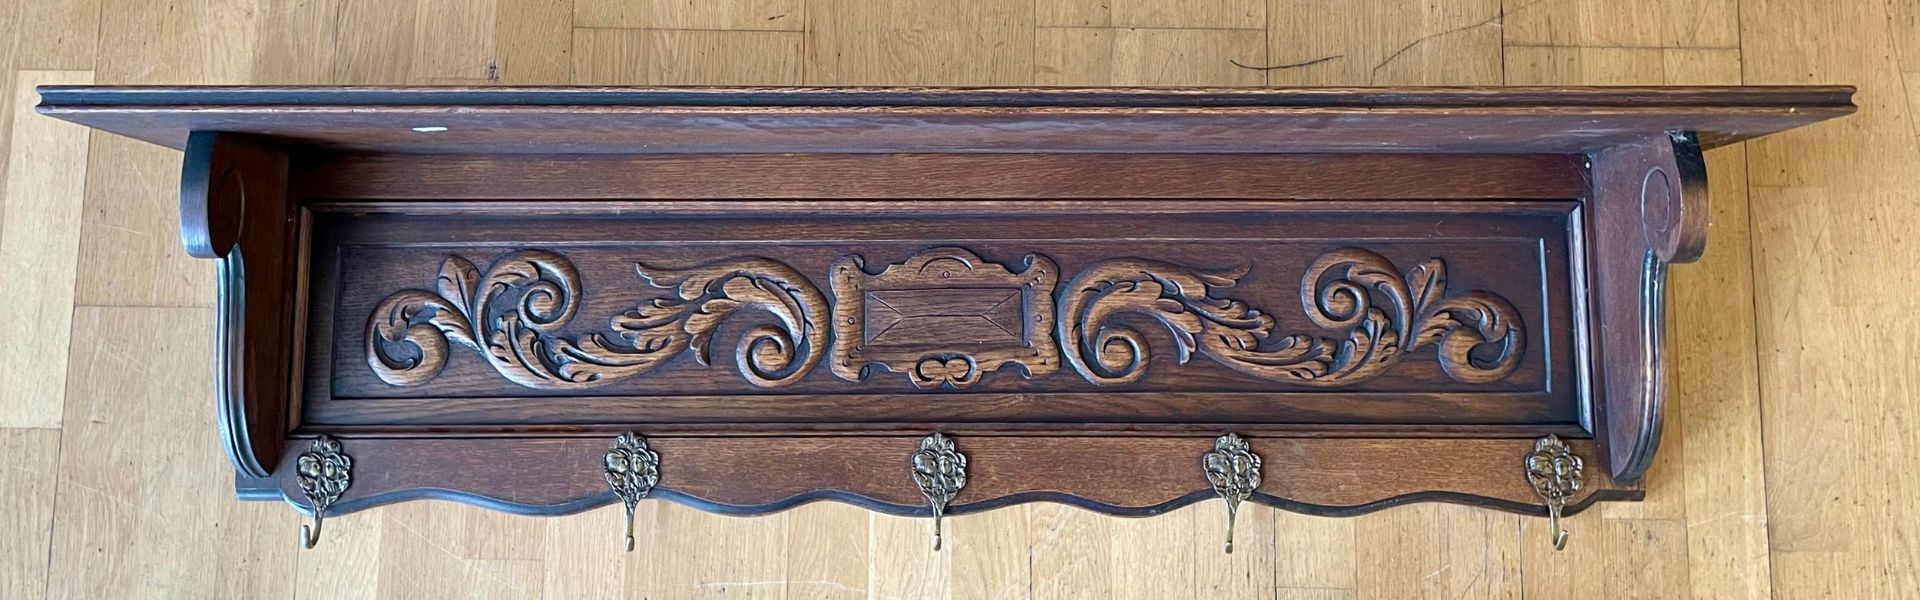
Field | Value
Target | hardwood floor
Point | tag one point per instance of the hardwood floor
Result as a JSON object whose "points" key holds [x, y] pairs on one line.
{"points": [[1787, 470]]}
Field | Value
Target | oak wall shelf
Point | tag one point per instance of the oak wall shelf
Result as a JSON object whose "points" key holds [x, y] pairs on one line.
{"points": [[941, 301]]}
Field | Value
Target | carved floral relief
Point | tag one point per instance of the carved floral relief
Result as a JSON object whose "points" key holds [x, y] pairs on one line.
{"points": [[513, 312], [944, 318], [1380, 315]]}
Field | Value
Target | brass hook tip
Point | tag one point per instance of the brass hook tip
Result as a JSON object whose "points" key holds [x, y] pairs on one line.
{"points": [[1560, 540], [1229, 546], [629, 542], [309, 535]]}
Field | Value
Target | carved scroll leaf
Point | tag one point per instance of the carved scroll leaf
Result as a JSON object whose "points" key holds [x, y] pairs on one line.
{"points": [[512, 313], [1379, 314]]}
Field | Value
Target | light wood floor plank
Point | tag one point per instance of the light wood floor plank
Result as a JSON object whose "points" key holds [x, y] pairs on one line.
{"points": [[1313, 552], [701, 555], [57, 36], [1831, 206], [1150, 557], [532, 40], [745, 15], [827, 552], [27, 500], [130, 240], [1383, 42], [39, 232], [1628, 23], [1073, 553], [144, 506], [664, 57], [584, 553], [905, 42], [990, 555], [453, 39], [1440, 551]]}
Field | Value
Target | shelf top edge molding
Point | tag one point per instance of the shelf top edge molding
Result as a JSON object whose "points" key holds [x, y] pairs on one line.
{"points": [[664, 120]]}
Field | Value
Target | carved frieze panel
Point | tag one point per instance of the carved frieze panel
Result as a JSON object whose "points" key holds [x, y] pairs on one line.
{"points": [[1379, 313], [944, 318], [512, 315]]}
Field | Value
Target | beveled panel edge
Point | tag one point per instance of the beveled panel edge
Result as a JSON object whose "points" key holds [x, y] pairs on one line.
{"points": [[160, 95]]}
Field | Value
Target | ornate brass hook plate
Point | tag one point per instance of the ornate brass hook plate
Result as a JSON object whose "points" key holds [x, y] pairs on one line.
{"points": [[324, 472], [632, 469], [1234, 471], [1556, 474], [940, 471]]}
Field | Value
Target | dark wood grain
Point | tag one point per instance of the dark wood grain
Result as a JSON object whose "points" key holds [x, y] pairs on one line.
{"points": [[1521, 255], [235, 208], [1124, 476], [1020, 177], [1391, 292], [1648, 211], [666, 120]]}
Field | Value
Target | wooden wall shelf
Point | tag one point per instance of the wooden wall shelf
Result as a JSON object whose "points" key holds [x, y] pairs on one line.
{"points": [[1387, 295]]}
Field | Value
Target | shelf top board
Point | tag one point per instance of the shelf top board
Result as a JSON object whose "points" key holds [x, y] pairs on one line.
{"points": [[641, 120]]}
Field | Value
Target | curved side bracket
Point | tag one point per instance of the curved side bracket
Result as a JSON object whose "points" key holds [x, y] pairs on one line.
{"points": [[1648, 209], [234, 208]]}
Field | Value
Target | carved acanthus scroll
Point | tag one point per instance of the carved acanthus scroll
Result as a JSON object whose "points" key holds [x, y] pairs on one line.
{"points": [[1380, 314], [944, 318], [512, 313]]}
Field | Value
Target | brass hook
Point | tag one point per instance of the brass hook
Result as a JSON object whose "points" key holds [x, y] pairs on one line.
{"points": [[1556, 474], [311, 535], [940, 471], [324, 472], [629, 527], [1233, 470], [936, 531], [1553, 521], [1231, 508], [632, 470]]}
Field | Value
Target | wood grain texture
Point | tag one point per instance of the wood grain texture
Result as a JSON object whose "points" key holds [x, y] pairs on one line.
{"points": [[44, 187], [1709, 471], [1020, 178], [1464, 471], [1517, 259], [1383, 42], [27, 497], [1831, 507], [1147, 57], [835, 120], [1830, 205], [670, 57], [126, 470]]}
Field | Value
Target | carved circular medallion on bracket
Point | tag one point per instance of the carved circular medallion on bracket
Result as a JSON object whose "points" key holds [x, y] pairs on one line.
{"points": [[212, 204], [1658, 207]]}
